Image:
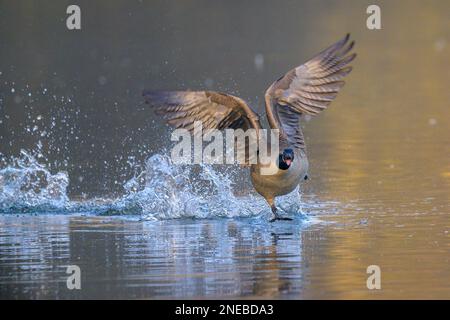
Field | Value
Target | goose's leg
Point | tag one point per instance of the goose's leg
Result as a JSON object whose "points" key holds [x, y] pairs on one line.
{"points": [[275, 216]]}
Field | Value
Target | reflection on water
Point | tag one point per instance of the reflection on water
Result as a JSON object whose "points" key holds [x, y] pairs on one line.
{"points": [[380, 171], [247, 257], [182, 258]]}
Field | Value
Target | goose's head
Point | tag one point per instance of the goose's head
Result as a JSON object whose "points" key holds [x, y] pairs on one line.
{"points": [[285, 159]]}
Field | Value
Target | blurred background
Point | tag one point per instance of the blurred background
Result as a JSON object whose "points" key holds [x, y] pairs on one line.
{"points": [[79, 92], [379, 155]]}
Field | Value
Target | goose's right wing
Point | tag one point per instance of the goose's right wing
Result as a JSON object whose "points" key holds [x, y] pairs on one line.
{"points": [[214, 110]]}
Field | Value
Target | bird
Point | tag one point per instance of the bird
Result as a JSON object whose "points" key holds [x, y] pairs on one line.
{"points": [[304, 91]]}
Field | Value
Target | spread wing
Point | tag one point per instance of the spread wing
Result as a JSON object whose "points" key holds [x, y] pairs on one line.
{"points": [[215, 110], [307, 89]]}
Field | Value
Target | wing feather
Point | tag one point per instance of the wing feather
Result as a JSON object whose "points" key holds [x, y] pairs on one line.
{"points": [[308, 89], [214, 110]]}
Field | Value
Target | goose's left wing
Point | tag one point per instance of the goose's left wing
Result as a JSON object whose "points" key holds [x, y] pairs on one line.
{"points": [[307, 89]]}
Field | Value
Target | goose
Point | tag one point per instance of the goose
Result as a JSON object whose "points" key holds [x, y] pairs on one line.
{"points": [[305, 90]]}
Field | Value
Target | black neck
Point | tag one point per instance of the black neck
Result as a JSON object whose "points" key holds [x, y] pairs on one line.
{"points": [[281, 164]]}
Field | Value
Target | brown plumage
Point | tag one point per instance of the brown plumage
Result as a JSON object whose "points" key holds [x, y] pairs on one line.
{"points": [[306, 89]]}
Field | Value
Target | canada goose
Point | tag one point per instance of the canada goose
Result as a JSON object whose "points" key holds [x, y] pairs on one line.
{"points": [[305, 90]]}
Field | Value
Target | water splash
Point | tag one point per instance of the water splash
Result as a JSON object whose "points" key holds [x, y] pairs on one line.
{"points": [[28, 186], [160, 191]]}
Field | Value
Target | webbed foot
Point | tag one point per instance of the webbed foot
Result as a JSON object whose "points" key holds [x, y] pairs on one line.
{"points": [[275, 215], [273, 219]]}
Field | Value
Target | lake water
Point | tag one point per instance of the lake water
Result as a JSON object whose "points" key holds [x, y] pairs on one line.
{"points": [[379, 188], [366, 212]]}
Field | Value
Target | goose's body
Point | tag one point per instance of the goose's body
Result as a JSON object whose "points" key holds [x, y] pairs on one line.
{"points": [[305, 90], [282, 181]]}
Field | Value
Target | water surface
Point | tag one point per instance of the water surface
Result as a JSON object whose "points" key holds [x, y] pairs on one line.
{"points": [[379, 192]]}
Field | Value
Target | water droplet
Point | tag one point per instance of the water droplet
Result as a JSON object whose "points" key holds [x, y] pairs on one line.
{"points": [[259, 62]]}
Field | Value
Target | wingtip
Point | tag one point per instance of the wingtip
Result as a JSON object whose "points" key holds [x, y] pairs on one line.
{"points": [[345, 39], [149, 95], [148, 92], [153, 94], [348, 37]]}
